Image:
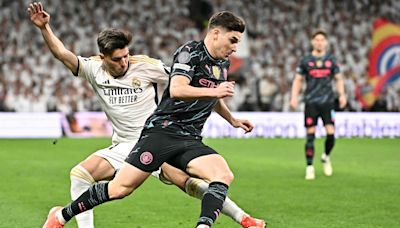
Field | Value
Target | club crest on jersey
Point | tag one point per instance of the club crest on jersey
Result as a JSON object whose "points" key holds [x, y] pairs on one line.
{"points": [[328, 63], [319, 63], [136, 82], [216, 72], [184, 57]]}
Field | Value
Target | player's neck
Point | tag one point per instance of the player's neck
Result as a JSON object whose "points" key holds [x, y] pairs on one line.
{"points": [[208, 46], [318, 53]]}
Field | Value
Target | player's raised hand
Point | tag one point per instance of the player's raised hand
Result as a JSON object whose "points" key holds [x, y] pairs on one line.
{"points": [[225, 89], [38, 16], [246, 125]]}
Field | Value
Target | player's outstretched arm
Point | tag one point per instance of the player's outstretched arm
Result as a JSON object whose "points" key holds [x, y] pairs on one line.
{"points": [[181, 89], [340, 90], [222, 109], [40, 19], [296, 87]]}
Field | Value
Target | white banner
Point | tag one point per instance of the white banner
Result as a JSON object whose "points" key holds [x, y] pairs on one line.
{"points": [[266, 125], [30, 125], [291, 125]]}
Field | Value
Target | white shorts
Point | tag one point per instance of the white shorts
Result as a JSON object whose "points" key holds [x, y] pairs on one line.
{"points": [[116, 155]]}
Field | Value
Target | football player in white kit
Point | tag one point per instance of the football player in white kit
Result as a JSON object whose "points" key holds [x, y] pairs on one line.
{"points": [[125, 87]]}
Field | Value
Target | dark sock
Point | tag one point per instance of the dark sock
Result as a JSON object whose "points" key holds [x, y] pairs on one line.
{"points": [[211, 204], [329, 143], [310, 148], [95, 195]]}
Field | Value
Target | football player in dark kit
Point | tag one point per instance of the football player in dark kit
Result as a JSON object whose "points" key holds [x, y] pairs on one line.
{"points": [[198, 84], [318, 69]]}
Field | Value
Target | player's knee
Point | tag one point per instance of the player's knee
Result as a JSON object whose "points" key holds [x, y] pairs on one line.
{"points": [[78, 172], [225, 177]]}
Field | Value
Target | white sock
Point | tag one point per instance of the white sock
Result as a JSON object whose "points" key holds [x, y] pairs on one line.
{"points": [[81, 180], [197, 187]]}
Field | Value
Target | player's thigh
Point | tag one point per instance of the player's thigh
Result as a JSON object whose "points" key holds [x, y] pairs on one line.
{"points": [[98, 167], [103, 164], [127, 179], [311, 115], [328, 115], [211, 167]]}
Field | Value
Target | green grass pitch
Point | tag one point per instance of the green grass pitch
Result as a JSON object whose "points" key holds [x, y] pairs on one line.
{"points": [[269, 183]]}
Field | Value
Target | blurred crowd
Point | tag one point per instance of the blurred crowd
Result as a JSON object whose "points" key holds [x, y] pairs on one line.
{"points": [[31, 80]]}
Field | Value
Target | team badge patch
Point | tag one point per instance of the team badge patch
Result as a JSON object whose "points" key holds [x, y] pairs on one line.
{"points": [[184, 57], [146, 158], [136, 82], [328, 63], [216, 72]]}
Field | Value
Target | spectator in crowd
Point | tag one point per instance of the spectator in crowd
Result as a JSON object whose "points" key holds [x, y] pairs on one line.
{"points": [[276, 38]]}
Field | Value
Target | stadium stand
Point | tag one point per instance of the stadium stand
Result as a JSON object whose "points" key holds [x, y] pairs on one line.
{"points": [[278, 34]]}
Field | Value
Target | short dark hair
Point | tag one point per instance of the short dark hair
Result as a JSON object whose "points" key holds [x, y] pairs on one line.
{"points": [[227, 20], [319, 32], [110, 39]]}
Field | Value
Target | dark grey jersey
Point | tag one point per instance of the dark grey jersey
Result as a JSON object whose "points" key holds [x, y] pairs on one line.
{"points": [[319, 73], [193, 61]]}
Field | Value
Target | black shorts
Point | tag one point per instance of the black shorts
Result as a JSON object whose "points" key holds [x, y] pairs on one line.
{"points": [[313, 111], [155, 148]]}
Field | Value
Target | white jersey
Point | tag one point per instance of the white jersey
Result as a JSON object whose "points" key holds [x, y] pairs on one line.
{"points": [[128, 100]]}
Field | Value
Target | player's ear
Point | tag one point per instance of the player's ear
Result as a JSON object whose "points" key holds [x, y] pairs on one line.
{"points": [[101, 56], [215, 32]]}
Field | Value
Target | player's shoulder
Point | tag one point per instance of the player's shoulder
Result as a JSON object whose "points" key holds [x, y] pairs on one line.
{"points": [[94, 58], [135, 59], [331, 57], [92, 62], [190, 46], [306, 58]]}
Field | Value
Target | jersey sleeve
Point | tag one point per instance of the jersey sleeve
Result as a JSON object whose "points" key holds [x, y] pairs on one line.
{"points": [[301, 69], [86, 67], [159, 72], [335, 67], [184, 61]]}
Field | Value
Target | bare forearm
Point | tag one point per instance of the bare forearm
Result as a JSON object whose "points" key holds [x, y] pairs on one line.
{"points": [[58, 49], [223, 111], [187, 92], [296, 87], [340, 86], [55, 45]]}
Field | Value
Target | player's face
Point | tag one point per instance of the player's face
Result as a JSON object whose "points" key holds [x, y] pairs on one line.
{"points": [[225, 43], [319, 43], [117, 63]]}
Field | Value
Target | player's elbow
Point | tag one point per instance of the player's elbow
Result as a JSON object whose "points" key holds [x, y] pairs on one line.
{"points": [[175, 92]]}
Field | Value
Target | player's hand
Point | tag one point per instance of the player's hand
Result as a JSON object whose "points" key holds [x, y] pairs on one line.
{"points": [[342, 101], [225, 89], [38, 16], [246, 125], [294, 103]]}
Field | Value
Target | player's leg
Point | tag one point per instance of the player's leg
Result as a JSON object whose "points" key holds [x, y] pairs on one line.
{"points": [[126, 180], [99, 166], [196, 188], [84, 175], [138, 166], [328, 117], [219, 175], [310, 121]]}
